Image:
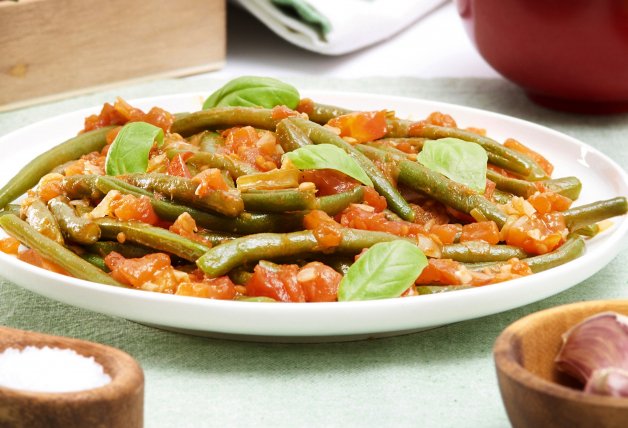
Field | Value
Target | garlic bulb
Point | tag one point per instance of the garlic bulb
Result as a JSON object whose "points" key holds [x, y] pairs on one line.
{"points": [[595, 352]]}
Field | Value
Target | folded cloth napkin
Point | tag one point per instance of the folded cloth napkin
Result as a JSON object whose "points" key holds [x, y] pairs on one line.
{"points": [[335, 27]]}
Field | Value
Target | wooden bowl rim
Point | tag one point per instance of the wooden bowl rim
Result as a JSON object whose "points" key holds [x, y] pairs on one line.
{"points": [[128, 375], [507, 364]]}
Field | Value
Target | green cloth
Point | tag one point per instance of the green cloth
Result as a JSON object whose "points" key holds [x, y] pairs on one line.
{"points": [[306, 13], [443, 377]]}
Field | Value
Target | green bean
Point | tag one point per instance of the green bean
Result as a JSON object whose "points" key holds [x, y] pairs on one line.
{"points": [[245, 223], [566, 186], [153, 237], [577, 217], [224, 117], [323, 113], [320, 135], [570, 250], [278, 201], [240, 275], [264, 246], [416, 142], [226, 202], [473, 252], [81, 186], [455, 195], [42, 220], [333, 204], [11, 209], [53, 251], [75, 228], [217, 238], [435, 289], [73, 148], [103, 248], [502, 197], [588, 231], [235, 167], [95, 260], [290, 137], [569, 187], [505, 157]]}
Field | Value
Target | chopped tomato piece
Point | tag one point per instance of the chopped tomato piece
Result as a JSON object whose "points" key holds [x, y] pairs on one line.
{"points": [[446, 232], [185, 226], [9, 245], [362, 126], [329, 181], [281, 112], [374, 199], [441, 271], [178, 167], [153, 272], [126, 207], [441, 119], [208, 180], [535, 234], [278, 282], [319, 282], [486, 231], [122, 112], [34, 258], [306, 105], [547, 202], [220, 288], [517, 146], [327, 231], [50, 186], [257, 148]]}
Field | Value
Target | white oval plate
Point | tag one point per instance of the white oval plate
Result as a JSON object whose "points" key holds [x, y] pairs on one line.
{"points": [[600, 176]]}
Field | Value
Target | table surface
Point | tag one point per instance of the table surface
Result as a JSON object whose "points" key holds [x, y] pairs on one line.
{"points": [[438, 378]]}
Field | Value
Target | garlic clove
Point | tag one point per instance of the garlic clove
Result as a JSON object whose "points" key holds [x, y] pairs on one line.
{"points": [[608, 381], [598, 342]]}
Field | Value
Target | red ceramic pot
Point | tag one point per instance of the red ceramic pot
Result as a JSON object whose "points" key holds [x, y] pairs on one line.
{"points": [[566, 54]]}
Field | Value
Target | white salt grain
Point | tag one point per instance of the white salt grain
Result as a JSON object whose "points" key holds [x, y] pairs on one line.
{"points": [[50, 370]]}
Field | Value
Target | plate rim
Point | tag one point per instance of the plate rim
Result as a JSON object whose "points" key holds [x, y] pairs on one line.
{"points": [[612, 244]]}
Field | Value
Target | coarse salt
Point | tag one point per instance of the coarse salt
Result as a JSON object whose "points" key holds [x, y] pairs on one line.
{"points": [[50, 370]]}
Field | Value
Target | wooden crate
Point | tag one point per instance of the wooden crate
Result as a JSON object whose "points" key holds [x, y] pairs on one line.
{"points": [[57, 48]]}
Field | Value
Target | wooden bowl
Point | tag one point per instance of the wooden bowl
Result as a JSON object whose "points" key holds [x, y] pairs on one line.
{"points": [[535, 394], [120, 403]]}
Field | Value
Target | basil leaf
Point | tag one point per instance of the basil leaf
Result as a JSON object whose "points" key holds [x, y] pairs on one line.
{"points": [[386, 270], [129, 151], [461, 161], [252, 91], [328, 156]]}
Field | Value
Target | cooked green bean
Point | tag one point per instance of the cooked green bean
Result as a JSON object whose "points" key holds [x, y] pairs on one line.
{"points": [[73, 148], [577, 217], [567, 186], [475, 252], [290, 137], [53, 251], [570, 250], [224, 117], [153, 237], [217, 238], [235, 167], [456, 195], [278, 201], [320, 135], [73, 227], [267, 246], [333, 204], [42, 220], [103, 248], [323, 113], [95, 260], [435, 289], [243, 224], [11, 209], [588, 231], [240, 275], [226, 202]]}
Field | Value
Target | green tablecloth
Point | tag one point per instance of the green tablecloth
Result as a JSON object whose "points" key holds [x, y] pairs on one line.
{"points": [[438, 378]]}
